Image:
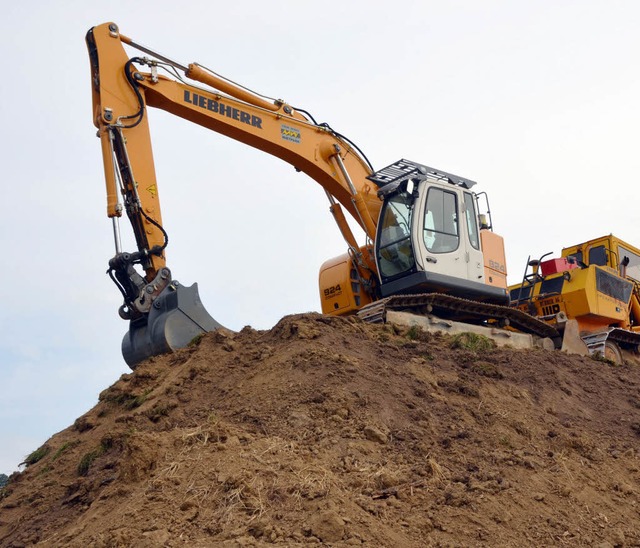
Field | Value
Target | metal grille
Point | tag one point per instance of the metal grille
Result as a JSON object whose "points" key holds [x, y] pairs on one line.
{"points": [[402, 169], [613, 286]]}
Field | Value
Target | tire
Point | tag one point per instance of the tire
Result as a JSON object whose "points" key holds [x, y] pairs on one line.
{"points": [[612, 352]]}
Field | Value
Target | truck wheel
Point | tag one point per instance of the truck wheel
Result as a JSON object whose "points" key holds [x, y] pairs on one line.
{"points": [[612, 352]]}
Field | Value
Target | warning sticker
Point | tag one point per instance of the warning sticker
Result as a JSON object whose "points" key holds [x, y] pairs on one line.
{"points": [[153, 190]]}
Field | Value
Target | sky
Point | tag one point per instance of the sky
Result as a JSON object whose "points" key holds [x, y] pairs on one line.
{"points": [[536, 101]]}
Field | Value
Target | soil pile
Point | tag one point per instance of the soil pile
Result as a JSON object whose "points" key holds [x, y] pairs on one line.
{"points": [[330, 431]]}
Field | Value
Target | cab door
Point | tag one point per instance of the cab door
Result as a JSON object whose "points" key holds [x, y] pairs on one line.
{"points": [[474, 258], [443, 248], [448, 233]]}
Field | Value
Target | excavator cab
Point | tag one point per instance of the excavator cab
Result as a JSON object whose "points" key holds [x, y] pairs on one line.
{"points": [[430, 238]]}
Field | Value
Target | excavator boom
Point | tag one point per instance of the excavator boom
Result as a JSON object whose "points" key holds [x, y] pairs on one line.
{"points": [[163, 314]]}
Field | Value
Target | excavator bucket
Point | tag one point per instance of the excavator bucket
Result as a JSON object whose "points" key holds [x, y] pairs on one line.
{"points": [[176, 317]]}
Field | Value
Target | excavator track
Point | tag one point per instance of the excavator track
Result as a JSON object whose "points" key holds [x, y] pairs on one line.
{"points": [[463, 310]]}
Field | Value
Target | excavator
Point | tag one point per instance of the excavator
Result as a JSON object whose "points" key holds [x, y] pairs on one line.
{"points": [[430, 246]]}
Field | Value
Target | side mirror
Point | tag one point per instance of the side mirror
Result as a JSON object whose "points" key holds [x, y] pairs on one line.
{"points": [[484, 222], [410, 186]]}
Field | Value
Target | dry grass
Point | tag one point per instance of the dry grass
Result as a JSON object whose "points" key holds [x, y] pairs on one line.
{"points": [[437, 473]]}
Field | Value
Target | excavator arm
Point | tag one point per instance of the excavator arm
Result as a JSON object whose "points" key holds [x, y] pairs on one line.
{"points": [[164, 314]]}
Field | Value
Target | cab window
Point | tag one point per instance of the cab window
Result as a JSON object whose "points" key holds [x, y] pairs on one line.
{"points": [[441, 233], [471, 217], [598, 255], [633, 267], [395, 253]]}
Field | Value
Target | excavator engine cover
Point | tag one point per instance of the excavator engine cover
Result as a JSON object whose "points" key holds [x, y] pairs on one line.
{"points": [[176, 317]]}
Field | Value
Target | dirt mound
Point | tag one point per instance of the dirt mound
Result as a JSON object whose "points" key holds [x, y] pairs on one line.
{"points": [[330, 431]]}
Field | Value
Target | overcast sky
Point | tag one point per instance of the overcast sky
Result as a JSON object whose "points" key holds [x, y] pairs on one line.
{"points": [[537, 101]]}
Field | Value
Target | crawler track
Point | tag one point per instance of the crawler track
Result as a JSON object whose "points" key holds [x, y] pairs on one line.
{"points": [[625, 338], [462, 310]]}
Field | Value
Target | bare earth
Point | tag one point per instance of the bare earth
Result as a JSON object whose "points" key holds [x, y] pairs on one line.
{"points": [[329, 431]]}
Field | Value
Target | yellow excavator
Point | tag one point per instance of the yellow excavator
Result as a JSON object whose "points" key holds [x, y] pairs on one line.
{"points": [[429, 248]]}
